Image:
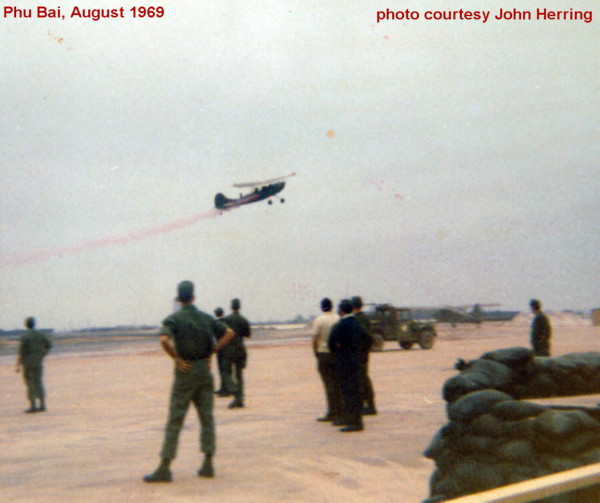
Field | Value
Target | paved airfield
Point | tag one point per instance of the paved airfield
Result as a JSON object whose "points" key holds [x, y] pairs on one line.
{"points": [[108, 406]]}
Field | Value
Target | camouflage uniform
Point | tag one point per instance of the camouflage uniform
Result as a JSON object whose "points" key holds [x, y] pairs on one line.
{"points": [[192, 332]]}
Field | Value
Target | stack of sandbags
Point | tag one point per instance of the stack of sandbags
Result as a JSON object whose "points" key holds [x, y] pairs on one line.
{"points": [[492, 439], [498, 370], [517, 372], [567, 375]]}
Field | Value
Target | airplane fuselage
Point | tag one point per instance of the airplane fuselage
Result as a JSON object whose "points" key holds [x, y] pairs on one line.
{"points": [[258, 194]]}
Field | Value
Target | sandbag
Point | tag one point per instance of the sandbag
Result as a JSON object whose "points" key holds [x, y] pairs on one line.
{"points": [[498, 375], [515, 410], [512, 357], [468, 407], [458, 386], [517, 451], [564, 423]]}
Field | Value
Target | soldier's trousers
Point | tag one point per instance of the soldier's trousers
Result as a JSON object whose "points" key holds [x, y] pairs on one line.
{"points": [[329, 376], [220, 358], [234, 376], [366, 386], [33, 380], [541, 348], [194, 386]]}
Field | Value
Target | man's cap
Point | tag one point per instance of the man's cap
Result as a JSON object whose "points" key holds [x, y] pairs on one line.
{"points": [[236, 304], [185, 291], [219, 311]]}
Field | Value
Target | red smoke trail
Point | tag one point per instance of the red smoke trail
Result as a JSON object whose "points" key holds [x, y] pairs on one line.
{"points": [[28, 258]]}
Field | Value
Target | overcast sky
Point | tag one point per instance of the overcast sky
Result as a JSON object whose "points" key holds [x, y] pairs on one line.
{"points": [[438, 163]]}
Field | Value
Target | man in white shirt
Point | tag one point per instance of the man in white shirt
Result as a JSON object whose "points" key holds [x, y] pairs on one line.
{"points": [[322, 326]]}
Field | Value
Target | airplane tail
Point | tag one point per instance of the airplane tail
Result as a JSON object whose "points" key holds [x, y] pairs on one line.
{"points": [[221, 201]]}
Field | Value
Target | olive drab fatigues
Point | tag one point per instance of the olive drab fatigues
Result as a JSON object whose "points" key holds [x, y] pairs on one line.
{"points": [[541, 332], [33, 347], [367, 392], [192, 332], [235, 356]]}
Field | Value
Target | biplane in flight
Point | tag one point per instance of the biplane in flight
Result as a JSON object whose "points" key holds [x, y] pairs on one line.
{"points": [[266, 189]]}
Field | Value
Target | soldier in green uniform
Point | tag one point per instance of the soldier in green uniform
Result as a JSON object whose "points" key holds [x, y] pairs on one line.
{"points": [[541, 331], [188, 336], [222, 391], [366, 386], [235, 356], [33, 347]]}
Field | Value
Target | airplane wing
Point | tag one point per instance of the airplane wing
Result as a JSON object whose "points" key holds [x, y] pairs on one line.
{"points": [[263, 182]]}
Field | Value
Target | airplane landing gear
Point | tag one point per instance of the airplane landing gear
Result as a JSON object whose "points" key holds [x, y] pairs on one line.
{"points": [[281, 200]]}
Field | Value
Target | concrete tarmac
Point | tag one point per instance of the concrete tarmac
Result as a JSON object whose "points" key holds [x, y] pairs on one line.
{"points": [[107, 410]]}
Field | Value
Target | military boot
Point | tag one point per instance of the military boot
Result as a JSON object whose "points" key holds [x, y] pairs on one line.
{"points": [[237, 402], [207, 469], [161, 474]]}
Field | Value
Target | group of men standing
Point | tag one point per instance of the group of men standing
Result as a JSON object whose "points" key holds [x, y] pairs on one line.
{"points": [[232, 358], [341, 342]]}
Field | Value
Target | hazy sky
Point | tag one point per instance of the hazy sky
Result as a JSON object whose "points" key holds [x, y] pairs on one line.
{"points": [[438, 162]]}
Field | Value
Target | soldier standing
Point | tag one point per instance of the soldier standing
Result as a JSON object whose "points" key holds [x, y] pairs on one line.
{"points": [[366, 385], [541, 331], [187, 337], [222, 391], [235, 356], [326, 361], [33, 347]]}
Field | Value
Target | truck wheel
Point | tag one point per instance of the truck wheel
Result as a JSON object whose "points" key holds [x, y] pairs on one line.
{"points": [[426, 340], [377, 342], [406, 344]]}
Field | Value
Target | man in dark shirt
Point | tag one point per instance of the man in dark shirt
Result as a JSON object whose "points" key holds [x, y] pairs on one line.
{"points": [[346, 341], [187, 336], [33, 347], [541, 331], [235, 356]]}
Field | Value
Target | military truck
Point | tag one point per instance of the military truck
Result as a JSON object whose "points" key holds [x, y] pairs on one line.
{"points": [[390, 323]]}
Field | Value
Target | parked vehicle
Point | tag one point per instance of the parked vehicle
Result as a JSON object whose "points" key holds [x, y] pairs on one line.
{"points": [[390, 323]]}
